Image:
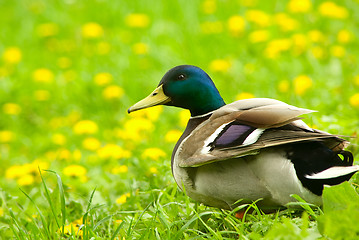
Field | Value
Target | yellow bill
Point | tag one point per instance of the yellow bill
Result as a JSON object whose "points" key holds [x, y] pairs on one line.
{"points": [[157, 97]]}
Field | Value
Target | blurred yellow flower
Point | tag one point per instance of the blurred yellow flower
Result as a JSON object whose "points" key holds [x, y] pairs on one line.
{"points": [[332, 10], [344, 36], [43, 75], [152, 113], [75, 171], [220, 65], [316, 36], [153, 153], [300, 43], [112, 92], [31, 169], [103, 48], [6, 136], [354, 100], [1, 212], [283, 86], [356, 80], [285, 22], [184, 116], [173, 136], [42, 95], [137, 20], [337, 51], [15, 171], [85, 127], [47, 29], [58, 139], [276, 46], [140, 48], [135, 129], [318, 52], [26, 180], [91, 143], [123, 198], [103, 78], [113, 151], [153, 170], [73, 228], [11, 109], [301, 84], [63, 154], [244, 95], [92, 30], [258, 36], [209, 6], [236, 25], [299, 6], [12, 55], [76, 154], [258, 17], [211, 27], [64, 62], [119, 169]]}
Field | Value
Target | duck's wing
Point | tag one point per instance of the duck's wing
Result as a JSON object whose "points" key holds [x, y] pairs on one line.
{"points": [[247, 126]]}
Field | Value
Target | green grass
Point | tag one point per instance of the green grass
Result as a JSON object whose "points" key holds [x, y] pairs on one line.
{"points": [[51, 178]]}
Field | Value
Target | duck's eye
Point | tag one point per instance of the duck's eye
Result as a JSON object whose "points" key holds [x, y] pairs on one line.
{"points": [[181, 77]]}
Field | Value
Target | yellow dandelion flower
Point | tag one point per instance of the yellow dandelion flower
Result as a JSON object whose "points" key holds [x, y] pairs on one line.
{"points": [[103, 48], [137, 20], [76, 155], [153, 153], [344, 36], [140, 48], [119, 169], [91, 143], [300, 43], [316, 36], [15, 171], [220, 65], [283, 86], [47, 29], [337, 51], [318, 52], [11, 109], [332, 10], [1, 212], [236, 25], [43, 75], [356, 80], [184, 116], [285, 22], [301, 84], [354, 100], [244, 95], [173, 136], [103, 78], [64, 62], [258, 17], [211, 27], [153, 171], [85, 127], [139, 124], [12, 55], [6, 136], [75, 171], [276, 46], [209, 6], [113, 151], [42, 95], [58, 139], [63, 154], [73, 228], [123, 198], [26, 180], [152, 113], [299, 6], [92, 30], [258, 36], [112, 92]]}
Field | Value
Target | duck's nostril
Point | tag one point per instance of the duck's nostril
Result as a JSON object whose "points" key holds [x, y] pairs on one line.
{"points": [[154, 94]]}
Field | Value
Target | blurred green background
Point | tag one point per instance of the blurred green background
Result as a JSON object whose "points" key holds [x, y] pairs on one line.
{"points": [[70, 69]]}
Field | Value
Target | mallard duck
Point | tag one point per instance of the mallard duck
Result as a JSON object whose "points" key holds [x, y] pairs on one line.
{"points": [[247, 150]]}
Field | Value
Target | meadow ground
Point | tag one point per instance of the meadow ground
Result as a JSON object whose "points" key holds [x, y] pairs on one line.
{"points": [[75, 165]]}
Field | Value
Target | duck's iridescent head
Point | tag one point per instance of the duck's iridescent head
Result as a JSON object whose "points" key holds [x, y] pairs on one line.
{"points": [[187, 87]]}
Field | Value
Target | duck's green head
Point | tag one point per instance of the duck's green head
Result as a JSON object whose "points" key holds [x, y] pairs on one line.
{"points": [[187, 87]]}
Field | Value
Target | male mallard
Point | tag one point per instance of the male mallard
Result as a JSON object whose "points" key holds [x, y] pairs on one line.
{"points": [[250, 149]]}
